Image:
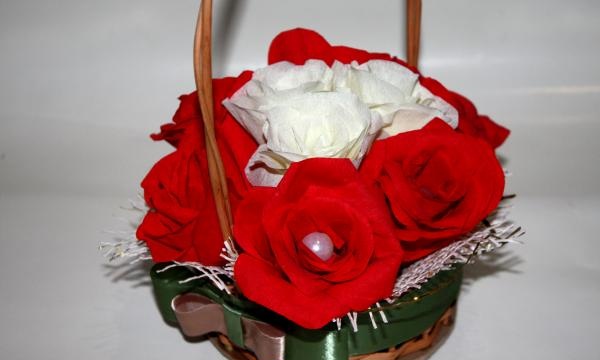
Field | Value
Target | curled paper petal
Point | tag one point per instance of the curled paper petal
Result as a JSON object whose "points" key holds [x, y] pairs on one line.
{"points": [[394, 92]]}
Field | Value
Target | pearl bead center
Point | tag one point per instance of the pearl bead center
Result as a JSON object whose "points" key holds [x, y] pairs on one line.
{"points": [[320, 244]]}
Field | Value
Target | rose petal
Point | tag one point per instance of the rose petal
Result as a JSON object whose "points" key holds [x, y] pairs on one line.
{"points": [[248, 230], [260, 281], [470, 122]]}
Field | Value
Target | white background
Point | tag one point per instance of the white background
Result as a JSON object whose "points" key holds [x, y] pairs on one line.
{"points": [[82, 84]]}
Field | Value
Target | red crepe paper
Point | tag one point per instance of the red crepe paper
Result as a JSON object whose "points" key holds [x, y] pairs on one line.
{"points": [[299, 45], [182, 222], [439, 184], [469, 120], [278, 271]]}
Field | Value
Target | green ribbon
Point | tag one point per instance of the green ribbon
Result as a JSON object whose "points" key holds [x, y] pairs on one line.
{"points": [[233, 322], [406, 317]]}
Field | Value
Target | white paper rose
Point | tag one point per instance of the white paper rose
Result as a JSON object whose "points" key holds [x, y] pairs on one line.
{"points": [[296, 112], [272, 85], [394, 92]]}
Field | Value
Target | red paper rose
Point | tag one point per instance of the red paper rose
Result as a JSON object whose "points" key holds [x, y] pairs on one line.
{"points": [[439, 184], [469, 120], [182, 224], [188, 111], [299, 45], [235, 144], [317, 199]]}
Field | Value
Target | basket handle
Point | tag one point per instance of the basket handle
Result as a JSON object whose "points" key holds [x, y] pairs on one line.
{"points": [[203, 78], [413, 31]]}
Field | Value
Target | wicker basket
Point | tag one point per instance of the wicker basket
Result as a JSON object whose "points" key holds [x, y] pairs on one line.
{"points": [[413, 322]]}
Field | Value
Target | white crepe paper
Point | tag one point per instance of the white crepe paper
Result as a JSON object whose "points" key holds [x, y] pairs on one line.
{"points": [[296, 112]]}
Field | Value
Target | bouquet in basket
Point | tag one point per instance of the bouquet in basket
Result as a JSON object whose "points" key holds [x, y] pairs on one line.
{"points": [[325, 208]]}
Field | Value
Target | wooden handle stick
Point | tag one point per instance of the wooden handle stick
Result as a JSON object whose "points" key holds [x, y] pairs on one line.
{"points": [[203, 77], [413, 31]]}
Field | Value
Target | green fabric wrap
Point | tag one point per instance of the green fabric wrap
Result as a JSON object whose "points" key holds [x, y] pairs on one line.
{"points": [[166, 287], [406, 317]]}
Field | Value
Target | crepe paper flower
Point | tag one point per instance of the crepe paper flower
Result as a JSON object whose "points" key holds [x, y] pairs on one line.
{"points": [[317, 246], [439, 184], [182, 222], [294, 114], [394, 92], [470, 121]]}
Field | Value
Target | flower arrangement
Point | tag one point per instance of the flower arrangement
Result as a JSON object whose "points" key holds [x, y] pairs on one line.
{"points": [[353, 181]]}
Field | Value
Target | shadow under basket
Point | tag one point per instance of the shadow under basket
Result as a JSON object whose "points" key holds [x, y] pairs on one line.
{"points": [[243, 330]]}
